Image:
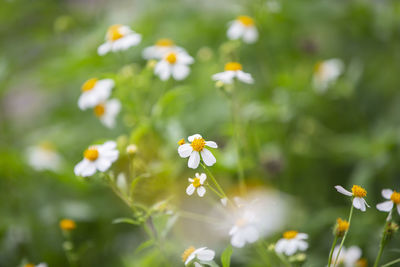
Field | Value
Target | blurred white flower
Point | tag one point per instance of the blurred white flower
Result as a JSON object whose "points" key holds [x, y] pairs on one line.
{"points": [[160, 48], [119, 38], [274, 6], [42, 264], [174, 64], [348, 257], [197, 184], [233, 70], [393, 199], [326, 72], [43, 157], [195, 148], [192, 254], [97, 157], [358, 193], [245, 230], [291, 242], [95, 91], [108, 111], [243, 27]]}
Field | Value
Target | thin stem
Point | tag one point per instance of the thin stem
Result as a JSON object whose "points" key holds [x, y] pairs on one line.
{"points": [[391, 263], [345, 234], [331, 252], [199, 217], [214, 180], [383, 241], [285, 261], [215, 191]]}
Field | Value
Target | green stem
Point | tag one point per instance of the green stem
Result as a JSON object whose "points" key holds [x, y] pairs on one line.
{"points": [[383, 241], [215, 191], [285, 261], [198, 217], [391, 263], [331, 252], [214, 180], [345, 234]]}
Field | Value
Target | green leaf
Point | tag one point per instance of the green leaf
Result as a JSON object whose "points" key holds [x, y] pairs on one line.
{"points": [[125, 220], [144, 245], [226, 256]]}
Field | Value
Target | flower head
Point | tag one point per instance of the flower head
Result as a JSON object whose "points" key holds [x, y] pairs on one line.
{"points": [[107, 112], [291, 242], [160, 48], [233, 70], [197, 184], [326, 72], [174, 64], [348, 257], [119, 38], [195, 148], [44, 157], [243, 27], [97, 157], [33, 265], [94, 92], [192, 254], [393, 198], [67, 224], [358, 193], [341, 227]]}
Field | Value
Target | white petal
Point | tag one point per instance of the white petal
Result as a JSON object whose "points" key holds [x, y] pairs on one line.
{"points": [[235, 30], [238, 240], [206, 255], [194, 160], [107, 146], [302, 236], [163, 70], [398, 208], [353, 254], [244, 77], [343, 191], [211, 144], [203, 177], [208, 157], [89, 169], [190, 258], [80, 167], [251, 234], [280, 246], [224, 201], [225, 77], [103, 164], [185, 150], [184, 58], [387, 193], [196, 264], [358, 203], [190, 189], [250, 35], [291, 247], [201, 191], [180, 71], [104, 49], [385, 206], [302, 245], [192, 137]]}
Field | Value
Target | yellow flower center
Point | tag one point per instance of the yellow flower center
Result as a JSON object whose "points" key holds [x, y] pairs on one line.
{"points": [[99, 110], [196, 182], [187, 253], [198, 144], [165, 42], [113, 32], [246, 20], [29, 265], [171, 58], [395, 197], [67, 224], [46, 145], [362, 263], [358, 191], [290, 234], [89, 84], [318, 67], [342, 225], [181, 142], [91, 153], [233, 66]]}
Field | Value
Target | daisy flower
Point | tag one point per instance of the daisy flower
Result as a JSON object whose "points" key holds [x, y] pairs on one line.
{"points": [[107, 112], [95, 91], [195, 148], [43, 157], [97, 157], [197, 184], [174, 64], [326, 72], [243, 27], [119, 38], [233, 70], [291, 242], [33, 265], [348, 257], [160, 48], [192, 254], [244, 231], [393, 199], [358, 193], [67, 224]]}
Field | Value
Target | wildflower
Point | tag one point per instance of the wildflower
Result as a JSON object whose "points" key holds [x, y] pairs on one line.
{"points": [[233, 70], [131, 149], [175, 64], [348, 257], [358, 193], [291, 242], [243, 27], [244, 231], [67, 224], [107, 112], [119, 38], [160, 48], [38, 265], [393, 199], [97, 157], [202, 254], [44, 157], [197, 184], [195, 148], [95, 91], [326, 72], [341, 227]]}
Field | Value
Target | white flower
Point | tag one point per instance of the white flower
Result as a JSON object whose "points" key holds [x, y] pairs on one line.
{"points": [[108, 111], [43, 157], [273, 6], [326, 72], [119, 38], [202, 254], [42, 264], [358, 193], [160, 48], [174, 64], [233, 70], [348, 257], [195, 148], [197, 184], [393, 199], [245, 230], [291, 242], [95, 91], [97, 157], [243, 27]]}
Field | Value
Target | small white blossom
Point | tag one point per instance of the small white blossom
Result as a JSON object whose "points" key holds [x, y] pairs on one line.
{"points": [[243, 27], [94, 92], [160, 48], [233, 70], [197, 183], [43, 157], [358, 193], [327, 72], [107, 112], [119, 38], [196, 148], [244, 230], [348, 257], [291, 242], [191, 255], [174, 64], [393, 199]]}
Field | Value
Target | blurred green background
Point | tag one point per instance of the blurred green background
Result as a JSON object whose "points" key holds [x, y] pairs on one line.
{"points": [[293, 139]]}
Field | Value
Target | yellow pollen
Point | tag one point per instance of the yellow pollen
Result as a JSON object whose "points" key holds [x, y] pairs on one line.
{"points": [[187, 253], [358, 191], [171, 58], [196, 182], [99, 110], [246, 20], [165, 42], [395, 197], [29, 265], [181, 142], [342, 225], [233, 66], [362, 263], [290, 234], [89, 84], [198, 144], [113, 32], [91, 153], [67, 224]]}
